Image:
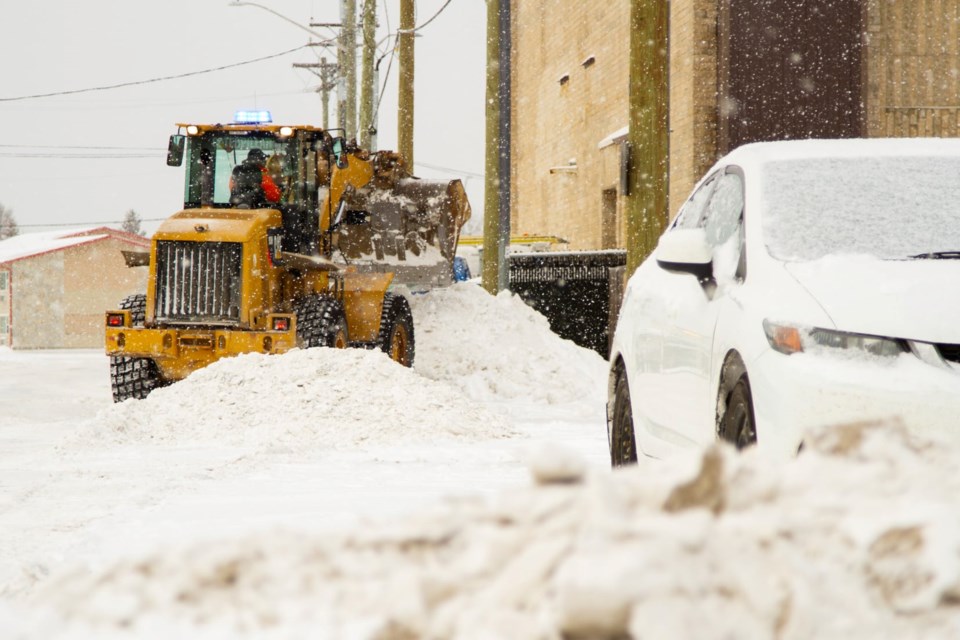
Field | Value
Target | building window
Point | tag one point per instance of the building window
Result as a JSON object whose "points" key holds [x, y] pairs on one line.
{"points": [[608, 222], [4, 329]]}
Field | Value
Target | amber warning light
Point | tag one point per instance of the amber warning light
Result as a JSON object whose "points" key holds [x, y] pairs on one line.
{"points": [[281, 324], [114, 319]]}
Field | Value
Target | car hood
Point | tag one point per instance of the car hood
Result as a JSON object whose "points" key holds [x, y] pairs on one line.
{"points": [[910, 299]]}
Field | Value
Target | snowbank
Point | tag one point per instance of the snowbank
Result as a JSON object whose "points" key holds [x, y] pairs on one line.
{"points": [[316, 398], [859, 537], [497, 347]]}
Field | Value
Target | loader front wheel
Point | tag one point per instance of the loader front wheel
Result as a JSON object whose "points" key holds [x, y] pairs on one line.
{"points": [[321, 322], [396, 329], [134, 377]]}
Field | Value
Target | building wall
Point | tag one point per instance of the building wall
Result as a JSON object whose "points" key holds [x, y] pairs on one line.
{"points": [[37, 294], [96, 279], [912, 68], [4, 306], [59, 298], [911, 85], [555, 123], [693, 95]]}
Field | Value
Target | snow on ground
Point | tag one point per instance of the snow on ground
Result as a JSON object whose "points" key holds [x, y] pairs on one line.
{"points": [[313, 398], [492, 516]]}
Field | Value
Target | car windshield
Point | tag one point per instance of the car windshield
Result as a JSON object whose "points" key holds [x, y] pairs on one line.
{"points": [[229, 150], [887, 207]]}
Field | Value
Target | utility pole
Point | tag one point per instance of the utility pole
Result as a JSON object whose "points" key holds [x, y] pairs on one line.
{"points": [[647, 211], [496, 206], [405, 90], [348, 66], [367, 83], [327, 73]]}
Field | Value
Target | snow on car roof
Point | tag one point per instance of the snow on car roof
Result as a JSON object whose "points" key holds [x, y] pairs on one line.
{"points": [[757, 153]]}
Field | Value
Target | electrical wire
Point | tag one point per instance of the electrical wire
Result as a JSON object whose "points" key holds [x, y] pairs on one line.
{"points": [[83, 156], [436, 167], [84, 147], [445, 5], [152, 80], [84, 224]]}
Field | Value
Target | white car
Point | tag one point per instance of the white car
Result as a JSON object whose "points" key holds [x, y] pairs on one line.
{"points": [[802, 284]]}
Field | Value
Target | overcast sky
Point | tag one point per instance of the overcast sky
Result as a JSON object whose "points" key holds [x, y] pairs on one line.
{"points": [[51, 46]]}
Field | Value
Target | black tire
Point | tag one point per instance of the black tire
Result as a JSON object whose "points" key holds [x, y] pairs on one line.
{"points": [[134, 377], [623, 442], [396, 330], [321, 322], [738, 425]]}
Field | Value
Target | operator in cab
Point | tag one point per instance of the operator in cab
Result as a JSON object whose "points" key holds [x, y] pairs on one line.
{"points": [[251, 186]]}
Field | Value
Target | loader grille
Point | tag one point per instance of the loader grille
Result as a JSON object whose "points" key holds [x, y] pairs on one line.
{"points": [[198, 282]]}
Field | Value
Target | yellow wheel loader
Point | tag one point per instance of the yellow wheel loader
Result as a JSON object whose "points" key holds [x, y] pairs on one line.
{"points": [[289, 238]]}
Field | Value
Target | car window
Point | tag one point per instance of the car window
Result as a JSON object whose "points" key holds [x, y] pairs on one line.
{"points": [[692, 212], [723, 227], [724, 210]]}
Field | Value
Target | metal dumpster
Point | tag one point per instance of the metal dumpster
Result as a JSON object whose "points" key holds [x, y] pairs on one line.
{"points": [[579, 292]]}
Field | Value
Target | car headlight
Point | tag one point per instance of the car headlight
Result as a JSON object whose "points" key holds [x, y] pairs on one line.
{"points": [[792, 339]]}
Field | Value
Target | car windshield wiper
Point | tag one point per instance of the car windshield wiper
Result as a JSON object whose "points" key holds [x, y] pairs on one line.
{"points": [[938, 255]]}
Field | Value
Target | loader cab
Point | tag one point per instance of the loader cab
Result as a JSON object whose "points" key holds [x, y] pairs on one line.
{"points": [[214, 156]]}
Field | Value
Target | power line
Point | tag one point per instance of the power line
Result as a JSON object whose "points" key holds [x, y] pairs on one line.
{"points": [[83, 156], [152, 80], [84, 224], [445, 5], [85, 147], [437, 167]]}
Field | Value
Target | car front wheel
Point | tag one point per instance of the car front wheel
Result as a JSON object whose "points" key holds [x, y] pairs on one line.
{"points": [[623, 444], [738, 426]]}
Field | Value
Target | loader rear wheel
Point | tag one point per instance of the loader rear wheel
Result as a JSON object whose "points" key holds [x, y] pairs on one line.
{"points": [[134, 377], [321, 322], [396, 329]]}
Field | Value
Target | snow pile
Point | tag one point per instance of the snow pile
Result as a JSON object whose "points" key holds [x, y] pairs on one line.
{"points": [[859, 537], [497, 347], [323, 398]]}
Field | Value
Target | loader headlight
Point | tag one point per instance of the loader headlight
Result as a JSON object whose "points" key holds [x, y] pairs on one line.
{"points": [[192, 130], [790, 339], [286, 132]]}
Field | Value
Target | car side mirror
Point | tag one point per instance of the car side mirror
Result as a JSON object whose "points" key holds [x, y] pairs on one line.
{"points": [[339, 153], [175, 150], [686, 251]]}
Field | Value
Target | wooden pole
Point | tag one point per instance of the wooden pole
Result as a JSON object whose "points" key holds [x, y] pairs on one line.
{"points": [[490, 271], [648, 177], [350, 70], [405, 90], [367, 90]]}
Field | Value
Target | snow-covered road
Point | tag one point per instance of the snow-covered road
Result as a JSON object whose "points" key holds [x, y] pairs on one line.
{"points": [[334, 494]]}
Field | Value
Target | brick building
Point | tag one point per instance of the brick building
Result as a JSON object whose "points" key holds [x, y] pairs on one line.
{"points": [[740, 71], [55, 287]]}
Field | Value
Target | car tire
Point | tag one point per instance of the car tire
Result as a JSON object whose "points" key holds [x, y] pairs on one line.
{"points": [[134, 377], [396, 330], [623, 443], [738, 426], [321, 322]]}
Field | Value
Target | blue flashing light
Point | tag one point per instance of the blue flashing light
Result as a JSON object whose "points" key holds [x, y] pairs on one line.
{"points": [[252, 117]]}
